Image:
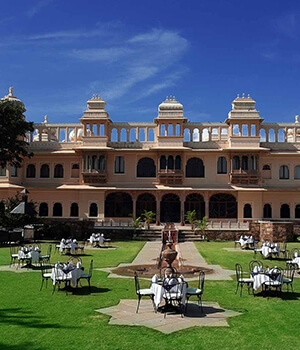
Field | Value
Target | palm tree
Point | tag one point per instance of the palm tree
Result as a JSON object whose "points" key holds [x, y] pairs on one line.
{"points": [[191, 217], [149, 216], [201, 225]]}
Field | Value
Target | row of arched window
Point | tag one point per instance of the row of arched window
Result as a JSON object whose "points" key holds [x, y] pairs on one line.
{"points": [[44, 171]]}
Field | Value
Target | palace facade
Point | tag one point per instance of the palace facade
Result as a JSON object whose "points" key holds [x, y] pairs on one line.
{"points": [[239, 170]]}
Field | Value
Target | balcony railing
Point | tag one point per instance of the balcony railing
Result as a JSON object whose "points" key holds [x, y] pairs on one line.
{"points": [[94, 176], [170, 177], [245, 177]]}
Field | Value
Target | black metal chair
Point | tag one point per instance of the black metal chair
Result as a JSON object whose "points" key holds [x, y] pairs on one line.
{"points": [[241, 280], [288, 276], [174, 298], [145, 292], [46, 257], [283, 250], [88, 275], [13, 255], [198, 292], [59, 278], [275, 281], [46, 272], [255, 264]]}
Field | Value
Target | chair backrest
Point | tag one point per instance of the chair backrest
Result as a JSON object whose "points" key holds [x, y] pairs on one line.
{"points": [[238, 271], [201, 280], [255, 263], [91, 267], [290, 271], [175, 292], [278, 271], [49, 250], [136, 282], [74, 260]]}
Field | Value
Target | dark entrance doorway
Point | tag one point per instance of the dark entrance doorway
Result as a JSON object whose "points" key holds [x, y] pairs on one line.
{"points": [[170, 208]]}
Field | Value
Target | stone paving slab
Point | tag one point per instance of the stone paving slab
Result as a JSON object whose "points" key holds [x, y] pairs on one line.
{"points": [[125, 314]]}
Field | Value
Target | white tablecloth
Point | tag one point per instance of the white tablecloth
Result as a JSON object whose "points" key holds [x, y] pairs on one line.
{"points": [[266, 250], [246, 241], [159, 291], [259, 279], [34, 255], [73, 275], [296, 261]]}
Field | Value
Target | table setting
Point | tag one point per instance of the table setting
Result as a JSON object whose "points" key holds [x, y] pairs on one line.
{"points": [[260, 276], [68, 272], [269, 249], [29, 254]]}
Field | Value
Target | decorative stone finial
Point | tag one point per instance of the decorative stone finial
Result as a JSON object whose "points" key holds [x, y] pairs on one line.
{"points": [[297, 118], [243, 96], [238, 96], [248, 95], [11, 91], [45, 120]]}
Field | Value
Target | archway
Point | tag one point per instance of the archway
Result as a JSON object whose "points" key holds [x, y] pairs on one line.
{"points": [[170, 208]]}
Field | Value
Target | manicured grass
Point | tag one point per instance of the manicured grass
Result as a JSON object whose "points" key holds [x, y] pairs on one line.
{"points": [[33, 319]]}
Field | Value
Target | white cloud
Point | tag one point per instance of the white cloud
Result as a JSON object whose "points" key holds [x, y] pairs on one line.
{"points": [[37, 7], [68, 34], [107, 55]]}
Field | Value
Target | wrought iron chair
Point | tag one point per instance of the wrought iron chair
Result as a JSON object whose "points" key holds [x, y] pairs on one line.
{"points": [[13, 255], [174, 298], [59, 278], [46, 257], [198, 292], [283, 250], [275, 282], [46, 273], [255, 263], [288, 276], [87, 276], [241, 280], [146, 292]]}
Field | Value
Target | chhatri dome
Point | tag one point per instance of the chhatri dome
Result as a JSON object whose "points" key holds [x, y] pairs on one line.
{"points": [[170, 103], [10, 96]]}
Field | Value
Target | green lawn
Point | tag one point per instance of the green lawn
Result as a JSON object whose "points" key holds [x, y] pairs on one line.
{"points": [[34, 319]]}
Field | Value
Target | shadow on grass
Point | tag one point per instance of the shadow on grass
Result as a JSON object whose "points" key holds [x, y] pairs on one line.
{"points": [[21, 317], [83, 290], [284, 295], [21, 346], [194, 311]]}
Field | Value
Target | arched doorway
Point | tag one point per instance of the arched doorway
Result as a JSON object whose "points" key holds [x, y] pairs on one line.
{"points": [[195, 201], [145, 201], [170, 208], [222, 205], [118, 204]]}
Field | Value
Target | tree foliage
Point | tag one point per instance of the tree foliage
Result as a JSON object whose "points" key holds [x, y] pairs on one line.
{"points": [[148, 216], [11, 221], [13, 129]]}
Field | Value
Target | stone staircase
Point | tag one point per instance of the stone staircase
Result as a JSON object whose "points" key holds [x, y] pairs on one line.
{"points": [[189, 236], [148, 235]]}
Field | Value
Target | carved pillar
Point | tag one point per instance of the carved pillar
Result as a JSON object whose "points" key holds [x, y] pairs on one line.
{"points": [[158, 197]]}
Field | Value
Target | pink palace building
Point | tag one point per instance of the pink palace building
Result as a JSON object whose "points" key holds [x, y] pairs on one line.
{"points": [[241, 170]]}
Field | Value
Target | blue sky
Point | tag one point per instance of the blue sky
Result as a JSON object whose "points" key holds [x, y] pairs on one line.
{"points": [[58, 53]]}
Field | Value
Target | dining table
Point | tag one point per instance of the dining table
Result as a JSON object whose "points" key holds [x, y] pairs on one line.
{"points": [[270, 250], [261, 276], [67, 272], [167, 285], [30, 255]]}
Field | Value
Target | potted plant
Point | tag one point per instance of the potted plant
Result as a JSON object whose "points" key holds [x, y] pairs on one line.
{"points": [[191, 218], [201, 225]]}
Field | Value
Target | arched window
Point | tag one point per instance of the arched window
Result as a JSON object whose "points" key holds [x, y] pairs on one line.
{"points": [[43, 209], [222, 205], [75, 170], [58, 171], [102, 163], [3, 170], [44, 172], [297, 211], [297, 172], [30, 171], [170, 162], [195, 201], [163, 163], [146, 168], [177, 162], [194, 168], [118, 204], [245, 163], [266, 167], [74, 211], [93, 212], [285, 211], [145, 201], [57, 209], [267, 211], [284, 173], [119, 165], [236, 163], [222, 165], [247, 211]]}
